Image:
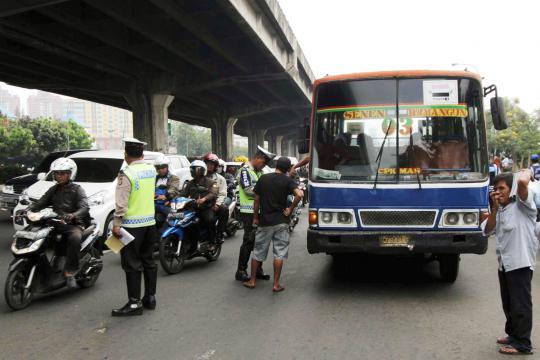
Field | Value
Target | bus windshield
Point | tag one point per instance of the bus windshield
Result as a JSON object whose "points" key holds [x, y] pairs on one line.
{"points": [[399, 130]]}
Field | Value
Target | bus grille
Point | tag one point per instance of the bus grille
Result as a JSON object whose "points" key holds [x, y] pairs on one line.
{"points": [[422, 218]]}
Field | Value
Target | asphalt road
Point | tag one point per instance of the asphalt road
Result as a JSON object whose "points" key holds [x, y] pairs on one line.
{"points": [[367, 309]]}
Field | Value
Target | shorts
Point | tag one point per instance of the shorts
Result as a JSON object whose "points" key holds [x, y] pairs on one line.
{"points": [[279, 235]]}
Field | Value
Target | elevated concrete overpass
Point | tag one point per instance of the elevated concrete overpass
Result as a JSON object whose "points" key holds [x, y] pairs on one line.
{"points": [[223, 64]]}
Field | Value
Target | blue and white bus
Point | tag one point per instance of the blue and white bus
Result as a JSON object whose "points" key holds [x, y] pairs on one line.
{"points": [[399, 164]]}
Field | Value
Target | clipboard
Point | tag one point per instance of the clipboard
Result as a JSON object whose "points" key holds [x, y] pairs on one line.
{"points": [[115, 244]]}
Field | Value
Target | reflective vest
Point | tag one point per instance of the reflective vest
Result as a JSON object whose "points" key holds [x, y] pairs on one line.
{"points": [[140, 212], [246, 202]]}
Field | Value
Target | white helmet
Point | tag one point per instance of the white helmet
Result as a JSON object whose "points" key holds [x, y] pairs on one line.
{"points": [[221, 162], [65, 164], [162, 160], [198, 167]]}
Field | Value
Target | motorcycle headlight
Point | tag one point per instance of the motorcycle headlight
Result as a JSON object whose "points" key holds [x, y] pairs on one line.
{"points": [[35, 245], [97, 199], [8, 189]]}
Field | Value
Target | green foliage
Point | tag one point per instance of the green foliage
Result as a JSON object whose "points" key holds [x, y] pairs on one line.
{"points": [[522, 136], [24, 142], [191, 140]]}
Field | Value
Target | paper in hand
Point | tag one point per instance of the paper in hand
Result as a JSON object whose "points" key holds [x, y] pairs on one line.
{"points": [[115, 244]]}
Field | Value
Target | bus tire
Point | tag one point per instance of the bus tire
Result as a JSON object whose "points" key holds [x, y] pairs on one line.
{"points": [[449, 267]]}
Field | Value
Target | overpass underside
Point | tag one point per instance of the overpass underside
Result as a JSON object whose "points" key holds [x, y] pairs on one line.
{"points": [[230, 65]]}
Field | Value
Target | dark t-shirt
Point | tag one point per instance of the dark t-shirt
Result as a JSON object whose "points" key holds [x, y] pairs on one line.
{"points": [[273, 190]]}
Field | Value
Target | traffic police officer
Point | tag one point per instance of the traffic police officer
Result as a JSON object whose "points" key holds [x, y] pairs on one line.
{"points": [[247, 178], [135, 212]]}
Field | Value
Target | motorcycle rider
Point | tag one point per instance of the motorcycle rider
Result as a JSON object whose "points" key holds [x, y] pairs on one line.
{"points": [[167, 188], [220, 209], [68, 200], [247, 178], [205, 191]]}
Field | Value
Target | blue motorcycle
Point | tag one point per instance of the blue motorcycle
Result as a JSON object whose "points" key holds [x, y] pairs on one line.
{"points": [[184, 239]]}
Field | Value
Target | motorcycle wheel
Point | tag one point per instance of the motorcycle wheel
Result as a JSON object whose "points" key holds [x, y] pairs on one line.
{"points": [[90, 280], [213, 255], [171, 263], [231, 233], [17, 297]]}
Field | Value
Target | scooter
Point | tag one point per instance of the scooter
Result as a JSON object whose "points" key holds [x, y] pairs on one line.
{"points": [[184, 239], [295, 216], [232, 224], [31, 271]]}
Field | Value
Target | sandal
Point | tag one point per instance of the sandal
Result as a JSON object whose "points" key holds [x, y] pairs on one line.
{"points": [[510, 350], [278, 289], [504, 340]]}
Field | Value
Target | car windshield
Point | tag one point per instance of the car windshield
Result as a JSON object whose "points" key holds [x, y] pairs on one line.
{"points": [[405, 130], [95, 170]]}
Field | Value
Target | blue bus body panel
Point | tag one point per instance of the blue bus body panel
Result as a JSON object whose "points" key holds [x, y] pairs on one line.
{"points": [[440, 198], [399, 198]]}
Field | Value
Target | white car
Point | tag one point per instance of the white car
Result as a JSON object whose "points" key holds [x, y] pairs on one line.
{"points": [[97, 172]]}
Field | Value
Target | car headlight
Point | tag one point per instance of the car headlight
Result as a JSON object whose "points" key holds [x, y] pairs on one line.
{"points": [[97, 199], [8, 189]]}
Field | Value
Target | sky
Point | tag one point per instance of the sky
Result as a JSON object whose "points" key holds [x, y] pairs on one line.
{"points": [[498, 39]]}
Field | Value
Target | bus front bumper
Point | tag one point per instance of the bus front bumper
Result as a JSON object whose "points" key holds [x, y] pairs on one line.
{"points": [[436, 242]]}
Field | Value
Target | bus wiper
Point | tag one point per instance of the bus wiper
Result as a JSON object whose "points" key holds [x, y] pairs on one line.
{"points": [[412, 152], [379, 156]]}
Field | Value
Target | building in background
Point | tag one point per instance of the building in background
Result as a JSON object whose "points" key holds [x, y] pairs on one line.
{"points": [[10, 104], [45, 105], [107, 125]]}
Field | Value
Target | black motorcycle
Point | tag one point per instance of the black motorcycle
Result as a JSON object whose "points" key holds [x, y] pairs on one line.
{"points": [[32, 271]]}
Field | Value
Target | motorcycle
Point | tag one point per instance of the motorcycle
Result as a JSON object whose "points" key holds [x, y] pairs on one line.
{"points": [[31, 271], [232, 224], [302, 185], [184, 239]]}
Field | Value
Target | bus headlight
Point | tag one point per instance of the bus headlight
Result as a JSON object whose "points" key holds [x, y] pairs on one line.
{"points": [[451, 218], [470, 218], [326, 217], [344, 218]]}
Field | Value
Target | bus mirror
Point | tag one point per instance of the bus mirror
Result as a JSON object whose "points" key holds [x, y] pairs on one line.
{"points": [[303, 140], [498, 113]]}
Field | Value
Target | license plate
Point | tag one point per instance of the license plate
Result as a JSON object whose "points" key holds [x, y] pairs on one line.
{"points": [[394, 241]]}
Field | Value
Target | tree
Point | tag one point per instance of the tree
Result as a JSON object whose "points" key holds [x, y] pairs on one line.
{"points": [[191, 140], [522, 136]]}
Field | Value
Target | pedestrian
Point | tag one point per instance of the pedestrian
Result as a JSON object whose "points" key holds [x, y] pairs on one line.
{"points": [[513, 218], [535, 169], [271, 197], [135, 213], [247, 179]]}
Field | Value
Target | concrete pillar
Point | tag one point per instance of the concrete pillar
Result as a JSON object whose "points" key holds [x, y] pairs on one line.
{"points": [[150, 115], [279, 144], [272, 143], [222, 137], [255, 138]]}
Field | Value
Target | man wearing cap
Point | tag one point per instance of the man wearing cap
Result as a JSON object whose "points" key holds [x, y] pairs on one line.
{"points": [[271, 197], [247, 179], [135, 213]]}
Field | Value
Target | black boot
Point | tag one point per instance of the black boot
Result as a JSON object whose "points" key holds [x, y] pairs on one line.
{"points": [[134, 305], [150, 281], [241, 275], [261, 275]]}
